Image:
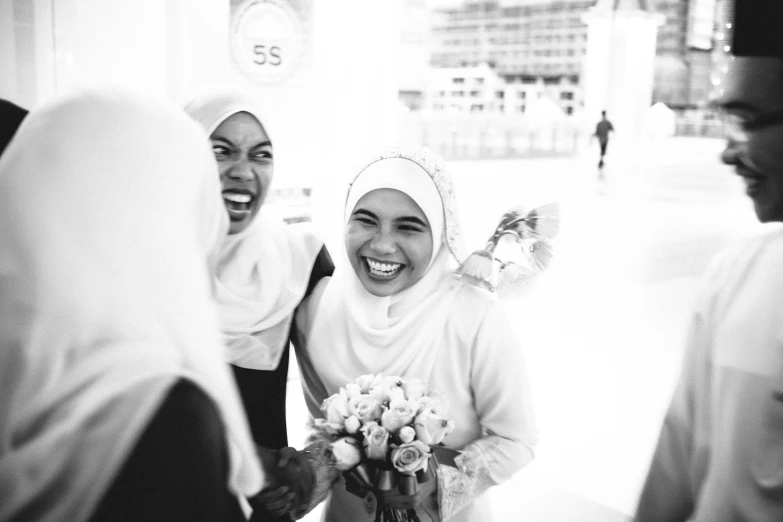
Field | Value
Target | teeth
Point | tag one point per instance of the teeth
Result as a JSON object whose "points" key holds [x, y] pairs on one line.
{"points": [[237, 198], [385, 269]]}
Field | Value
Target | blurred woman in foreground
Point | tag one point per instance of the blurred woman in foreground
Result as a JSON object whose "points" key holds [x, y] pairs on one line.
{"points": [[115, 402]]}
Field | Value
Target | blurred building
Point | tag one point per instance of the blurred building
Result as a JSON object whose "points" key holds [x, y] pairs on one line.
{"points": [[684, 58], [534, 46], [542, 43], [721, 52], [480, 88], [414, 59]]}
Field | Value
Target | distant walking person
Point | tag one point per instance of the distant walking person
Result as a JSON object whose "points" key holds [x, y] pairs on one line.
{"points": [[602, 129]]}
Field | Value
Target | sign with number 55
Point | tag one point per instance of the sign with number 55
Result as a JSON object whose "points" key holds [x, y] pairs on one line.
{"points": [[266, 40]]}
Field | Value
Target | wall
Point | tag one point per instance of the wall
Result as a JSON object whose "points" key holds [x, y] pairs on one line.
{"points": [[340, 105]]}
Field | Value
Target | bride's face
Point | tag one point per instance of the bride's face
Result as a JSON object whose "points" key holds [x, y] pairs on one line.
{"points": [[388, 241]]}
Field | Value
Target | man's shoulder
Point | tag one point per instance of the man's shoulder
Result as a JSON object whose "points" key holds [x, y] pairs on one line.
{"points": [[742, 252]]}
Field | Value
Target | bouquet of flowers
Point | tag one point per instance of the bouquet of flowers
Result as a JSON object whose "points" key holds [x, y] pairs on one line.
{"points": [[382, 430]]}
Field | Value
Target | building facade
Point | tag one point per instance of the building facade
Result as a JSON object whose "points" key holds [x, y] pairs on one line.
{"points": [[543, 43], [684, 53], [480, 88], [536, 47]]}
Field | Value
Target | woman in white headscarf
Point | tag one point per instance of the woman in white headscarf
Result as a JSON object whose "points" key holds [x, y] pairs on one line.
{"points": [[115, 404], [265, 267], [394, 307]]}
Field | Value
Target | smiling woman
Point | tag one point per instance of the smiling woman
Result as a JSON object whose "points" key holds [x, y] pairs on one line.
{"points": [[265, 268], [389, 241], [394, 306]]}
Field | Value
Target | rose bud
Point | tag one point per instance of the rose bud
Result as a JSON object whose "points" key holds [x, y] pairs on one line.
{"points": [[376, 442], [346, 453], [335, 409], [352, 424], [406, 434]]}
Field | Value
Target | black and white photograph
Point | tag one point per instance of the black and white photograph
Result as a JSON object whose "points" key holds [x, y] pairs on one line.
{"points": [[391, 260]]}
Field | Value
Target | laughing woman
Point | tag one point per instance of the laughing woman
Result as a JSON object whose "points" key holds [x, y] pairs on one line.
{"points": [[265, 268], [394, 307], [115, 404]]}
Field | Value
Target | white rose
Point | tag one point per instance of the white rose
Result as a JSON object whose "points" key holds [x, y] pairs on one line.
{"points": [[376, 442], [433, 402], [346, 452], [335, 409], [365, 382], [352, 390], [410, 458], [352, 424], [395, 394], [406, 434], [368, 426], [414, 389], [431, 428], [322, 425], [366, 408], [382, 386], [399, 414]]}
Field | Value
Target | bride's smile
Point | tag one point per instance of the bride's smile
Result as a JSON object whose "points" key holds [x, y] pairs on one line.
{"points": [[388, 241]]}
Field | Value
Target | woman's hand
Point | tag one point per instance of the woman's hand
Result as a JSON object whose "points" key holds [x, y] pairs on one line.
{"points": [[291, 482], [273, 501]]}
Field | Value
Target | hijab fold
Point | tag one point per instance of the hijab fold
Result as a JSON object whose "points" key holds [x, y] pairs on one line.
{"points": [[263, 271], [109, 209]]}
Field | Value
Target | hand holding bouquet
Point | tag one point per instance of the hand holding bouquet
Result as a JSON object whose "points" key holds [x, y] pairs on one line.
{"points": [[382, 429]]}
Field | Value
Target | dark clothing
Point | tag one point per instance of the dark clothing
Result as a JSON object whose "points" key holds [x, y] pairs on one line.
{"points": [[602, 130], [11, 116], [264, 392], [263, 396], [603, 145], [178, 469]]}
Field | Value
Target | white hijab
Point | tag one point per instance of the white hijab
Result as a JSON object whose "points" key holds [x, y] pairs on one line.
{"points": [[355, 332], [264, 270], [108, 208]]}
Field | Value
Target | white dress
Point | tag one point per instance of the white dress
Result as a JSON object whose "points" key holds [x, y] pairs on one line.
{"points": [[480, 367]]}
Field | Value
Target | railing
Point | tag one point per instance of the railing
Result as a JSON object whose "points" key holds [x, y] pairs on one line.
{"points": [[482, 136], [705, 128]]}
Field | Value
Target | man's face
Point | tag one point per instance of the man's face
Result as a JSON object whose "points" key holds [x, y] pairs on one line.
{"points": [[754, 101]]}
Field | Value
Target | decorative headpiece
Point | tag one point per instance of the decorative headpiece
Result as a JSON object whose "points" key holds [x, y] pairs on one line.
{"points": [[437, 170]]}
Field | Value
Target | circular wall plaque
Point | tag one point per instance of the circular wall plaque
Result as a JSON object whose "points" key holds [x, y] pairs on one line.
{"points": [[266, 40]]}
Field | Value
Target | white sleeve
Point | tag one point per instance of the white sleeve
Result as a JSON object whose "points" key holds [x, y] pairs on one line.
{"points": [[503, 401]]}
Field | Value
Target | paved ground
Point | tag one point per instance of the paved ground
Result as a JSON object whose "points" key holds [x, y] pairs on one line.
{"points": [[604, 328]]}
